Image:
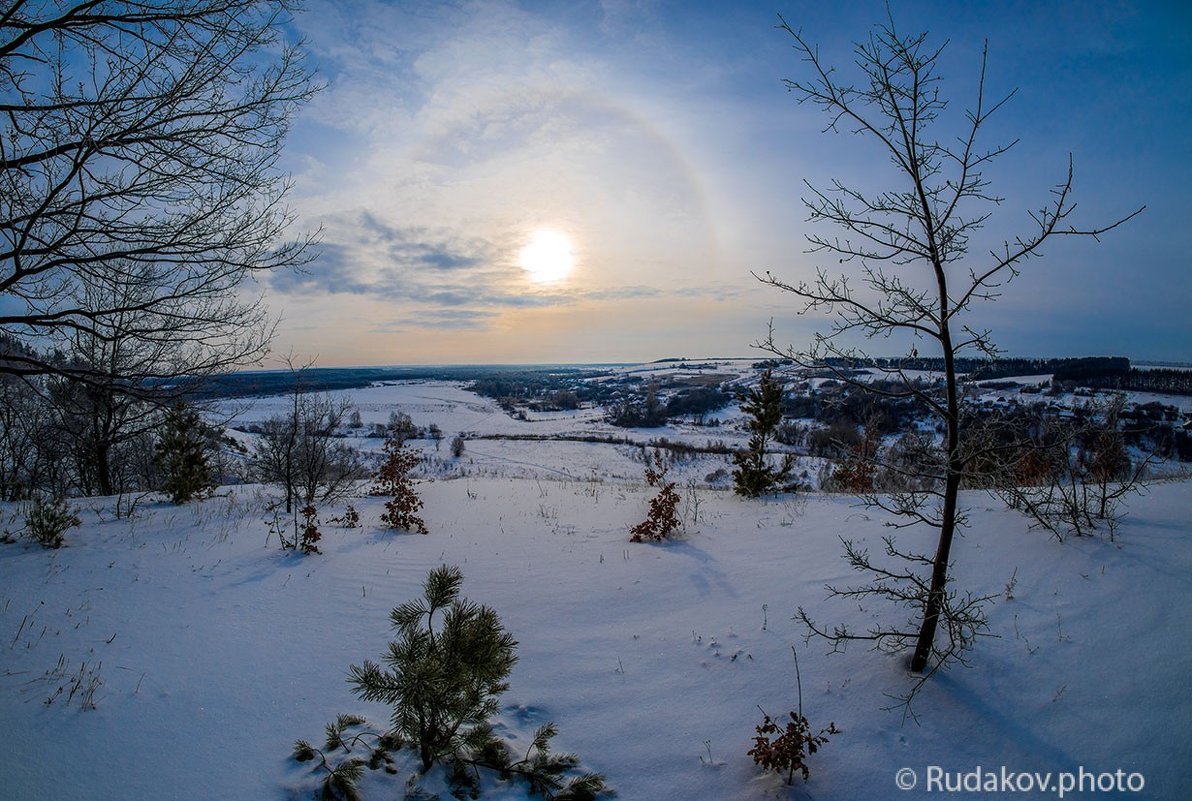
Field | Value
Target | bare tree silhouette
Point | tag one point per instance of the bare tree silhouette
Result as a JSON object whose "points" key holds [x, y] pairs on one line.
{"points": [[138, 174], [915, 276]]}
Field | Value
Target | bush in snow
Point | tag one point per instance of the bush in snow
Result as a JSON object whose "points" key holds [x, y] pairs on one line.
{"points": [[785, 749], [401, 511], [48, 520], [309, 534], [663, 519], [443, 676], [857, 472], [303, 526], [349, 519]]}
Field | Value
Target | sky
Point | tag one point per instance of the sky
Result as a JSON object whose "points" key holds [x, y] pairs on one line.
{"points": [[545, 182]]}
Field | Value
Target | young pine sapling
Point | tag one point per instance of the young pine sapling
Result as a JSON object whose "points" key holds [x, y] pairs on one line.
{"points": [[443, 676]]}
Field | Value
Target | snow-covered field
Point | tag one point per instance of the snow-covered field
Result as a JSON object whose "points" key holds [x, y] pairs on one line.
{"points": [[207, 650], [492, 448]]}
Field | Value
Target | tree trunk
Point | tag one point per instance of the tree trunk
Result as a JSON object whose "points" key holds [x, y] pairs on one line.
{"points": [[939, 576], [103, 469], [952, 474]]}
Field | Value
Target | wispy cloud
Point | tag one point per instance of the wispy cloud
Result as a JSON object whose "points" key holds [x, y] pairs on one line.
{"points": [[421, 247], [450, 319], [332, 272]]}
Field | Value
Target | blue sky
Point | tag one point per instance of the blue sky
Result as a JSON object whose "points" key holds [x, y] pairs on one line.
{"points": [[659, 140]]}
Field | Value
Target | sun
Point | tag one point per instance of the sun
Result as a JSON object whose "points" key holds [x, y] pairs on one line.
{"points": [[547, 257]]}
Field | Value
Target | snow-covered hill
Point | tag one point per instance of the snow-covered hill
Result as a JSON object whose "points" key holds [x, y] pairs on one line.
{"points": [[207, 650]]}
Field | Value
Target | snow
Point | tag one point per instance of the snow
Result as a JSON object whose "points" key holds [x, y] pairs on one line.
{"points": [[216, 650], [488, 429]]}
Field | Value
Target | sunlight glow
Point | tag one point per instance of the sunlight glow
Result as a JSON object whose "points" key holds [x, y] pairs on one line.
{"points": [[548, 257]]}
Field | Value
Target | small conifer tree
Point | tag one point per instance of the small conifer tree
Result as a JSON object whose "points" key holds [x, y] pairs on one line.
{"points": [[446, 670], [48, 519], [443, 677], [181, 455], [401, 511], [753, 474]]}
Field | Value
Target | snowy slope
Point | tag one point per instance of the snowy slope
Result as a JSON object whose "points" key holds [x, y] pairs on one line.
{"points": [[215, 650]]}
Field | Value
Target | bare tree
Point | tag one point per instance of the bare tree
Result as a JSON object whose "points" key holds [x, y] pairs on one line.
{"points": [[1074, 476], [327, 467], [27, 438], [915, 277], [107, 419], [299, 452], [138, 149]]}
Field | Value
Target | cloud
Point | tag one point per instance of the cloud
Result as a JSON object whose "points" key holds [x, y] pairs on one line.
{"points": [[452, 280], [420, 246], [363, 254], [621, 293], [450, 319], [331, 273]]}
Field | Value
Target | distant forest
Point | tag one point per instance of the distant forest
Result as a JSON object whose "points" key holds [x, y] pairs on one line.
{"points": [[323, 379], [534, 381], [1096, 372]]}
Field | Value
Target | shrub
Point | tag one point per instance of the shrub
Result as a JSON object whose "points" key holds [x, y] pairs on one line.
{"points": [[401, 511], [48, 520], [663, 519], [858, 471], [444, 675], [349, 519], [716, 476], [833, 442], [791, 434], [457, 446], [309, 534], [788, 751], [789, 747], [1074, 476]]}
